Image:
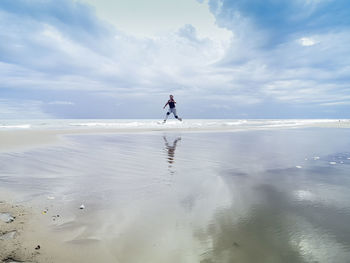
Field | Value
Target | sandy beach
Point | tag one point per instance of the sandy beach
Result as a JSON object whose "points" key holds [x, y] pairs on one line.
{"points": [[97, 195], [13, 224]]}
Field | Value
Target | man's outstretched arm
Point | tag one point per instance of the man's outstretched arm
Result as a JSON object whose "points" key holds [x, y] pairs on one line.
{"points": [[166, 104]]}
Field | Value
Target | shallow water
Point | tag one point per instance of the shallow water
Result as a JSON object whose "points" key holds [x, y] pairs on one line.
{"points": [[253, 196]]}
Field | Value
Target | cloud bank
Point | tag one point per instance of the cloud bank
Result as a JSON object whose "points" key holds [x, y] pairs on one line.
{"points": [[278, 60]]}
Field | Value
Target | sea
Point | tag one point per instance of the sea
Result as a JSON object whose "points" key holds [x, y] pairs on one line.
{"points": [[150, 124]]}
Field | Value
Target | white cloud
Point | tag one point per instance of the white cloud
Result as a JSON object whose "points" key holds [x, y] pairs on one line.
{"points": [[158, 17], [306, 41], [58, 102], [336, 103]]}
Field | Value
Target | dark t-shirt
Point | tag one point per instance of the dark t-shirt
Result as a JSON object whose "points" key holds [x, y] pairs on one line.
{"points": [[171, 104]]}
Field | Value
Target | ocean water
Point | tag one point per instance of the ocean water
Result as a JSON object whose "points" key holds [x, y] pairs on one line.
{"points": [[271, 195], [237, 124]]}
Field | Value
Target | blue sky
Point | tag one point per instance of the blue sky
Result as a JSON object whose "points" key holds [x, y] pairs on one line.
{"points": [[220, 58]]}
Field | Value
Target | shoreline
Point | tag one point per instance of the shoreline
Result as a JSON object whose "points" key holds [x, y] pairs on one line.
{"points": [[11, 140]]}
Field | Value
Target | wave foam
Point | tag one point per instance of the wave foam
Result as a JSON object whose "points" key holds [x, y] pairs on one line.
{"points": [[191, 124], [22, 126]]}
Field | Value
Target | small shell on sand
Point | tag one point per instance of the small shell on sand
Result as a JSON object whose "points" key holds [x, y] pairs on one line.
{"points": [[6, 217]]}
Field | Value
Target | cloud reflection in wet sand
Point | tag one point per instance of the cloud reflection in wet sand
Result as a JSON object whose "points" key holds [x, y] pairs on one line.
{"points": [[214, 197], [283, 224]]}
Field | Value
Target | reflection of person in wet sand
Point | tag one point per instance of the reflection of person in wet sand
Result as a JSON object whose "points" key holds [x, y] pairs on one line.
{"points": [[171, 149]]}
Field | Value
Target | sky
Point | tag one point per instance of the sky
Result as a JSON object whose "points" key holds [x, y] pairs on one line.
{"points": [[219, 58]]}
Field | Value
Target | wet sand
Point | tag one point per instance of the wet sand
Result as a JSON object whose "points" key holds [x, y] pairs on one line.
{"points": [[252, 196], [14, 226]]}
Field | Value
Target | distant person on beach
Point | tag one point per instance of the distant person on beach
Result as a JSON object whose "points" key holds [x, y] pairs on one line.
{"points": [[172, 109]]}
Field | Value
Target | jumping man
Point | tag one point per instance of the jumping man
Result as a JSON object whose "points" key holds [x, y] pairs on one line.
{"points": [[171, 109]]}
